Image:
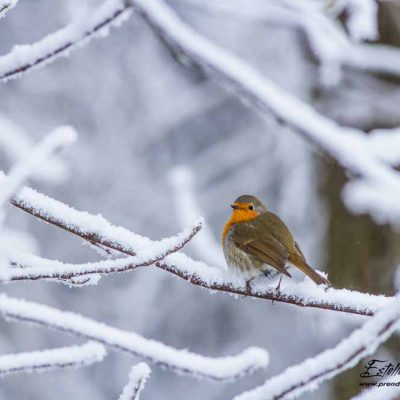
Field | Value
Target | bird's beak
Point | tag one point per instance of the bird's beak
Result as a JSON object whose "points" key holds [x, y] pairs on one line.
{"points": [[234, 206]]}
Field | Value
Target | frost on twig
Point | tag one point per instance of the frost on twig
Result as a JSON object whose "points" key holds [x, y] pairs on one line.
{"points": [[178, 361], [6, 6], [375, 185], [310, 373], [99, 230], [35, 268], [97, 22], [137, 379], [45, 360]]}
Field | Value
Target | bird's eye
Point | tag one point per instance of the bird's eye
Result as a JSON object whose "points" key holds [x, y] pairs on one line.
{"points": [[251, 207]]}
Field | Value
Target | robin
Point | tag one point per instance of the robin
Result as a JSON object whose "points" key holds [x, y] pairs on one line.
{"points": [[257, 242]]}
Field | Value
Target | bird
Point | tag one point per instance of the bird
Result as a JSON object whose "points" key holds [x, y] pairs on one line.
{"points": [[257, 242]]}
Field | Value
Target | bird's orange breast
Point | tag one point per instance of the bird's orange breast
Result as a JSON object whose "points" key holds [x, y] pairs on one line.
{"points": [[238, 216]]}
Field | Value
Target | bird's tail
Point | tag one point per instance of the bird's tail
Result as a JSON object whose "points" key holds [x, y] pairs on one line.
{"points": [[313, 275]]}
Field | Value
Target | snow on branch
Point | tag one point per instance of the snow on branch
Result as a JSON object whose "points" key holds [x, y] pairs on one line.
{"points": [[329, 42], [23, 169], [178, 361], [6, 6], [34, 268], [97, 229], [91, 228], [375, 186], [137, 379], [45, 360], [307, 375], [95, 23]]}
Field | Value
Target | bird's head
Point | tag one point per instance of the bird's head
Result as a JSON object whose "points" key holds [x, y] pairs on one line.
{"points": [[247, 207]]}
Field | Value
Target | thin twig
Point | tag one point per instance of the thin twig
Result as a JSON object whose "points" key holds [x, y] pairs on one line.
{"points": [[137, 379], [44, 360], [48, 49], [25, 272]]}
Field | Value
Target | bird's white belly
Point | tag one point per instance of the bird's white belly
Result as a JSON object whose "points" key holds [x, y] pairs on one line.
{"points": [[245, 265]]}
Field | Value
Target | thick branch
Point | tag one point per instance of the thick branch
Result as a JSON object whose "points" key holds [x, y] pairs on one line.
{"points": [[101, 231], [178, 361], [40, 361], [24, 58], [307, 375], [377, 182]]}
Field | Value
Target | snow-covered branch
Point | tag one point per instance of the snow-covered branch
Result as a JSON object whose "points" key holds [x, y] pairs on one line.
{"points": [[45, 360], [333, 47], [34, 268], [310, 373], [6, 6], [25, 167], [137, 379], [97, 229], [375, 186], [96, 23], [179, 361]]}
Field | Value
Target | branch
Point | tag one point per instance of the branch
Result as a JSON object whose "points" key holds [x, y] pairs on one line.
{"points": [[23, 169], [327, 39], [137, 379], [99, 230], [24, 58], [34, 268], [6, 6], [45, 360], [310, 373], [178, 361], [374, 183]]}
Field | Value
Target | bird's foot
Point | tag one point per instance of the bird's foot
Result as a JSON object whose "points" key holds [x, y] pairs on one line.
{"points": [[278, 288], [248, 287]]}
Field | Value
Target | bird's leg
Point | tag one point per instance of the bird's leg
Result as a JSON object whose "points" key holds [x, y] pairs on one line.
{"points": [[248, 287], [278, 287], [279, 284]]}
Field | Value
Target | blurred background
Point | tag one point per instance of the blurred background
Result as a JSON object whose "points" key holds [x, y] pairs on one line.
{"points": [[154, 137]]}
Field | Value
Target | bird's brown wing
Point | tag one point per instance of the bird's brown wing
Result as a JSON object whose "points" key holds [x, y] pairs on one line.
{"points": [[266, 250]]}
